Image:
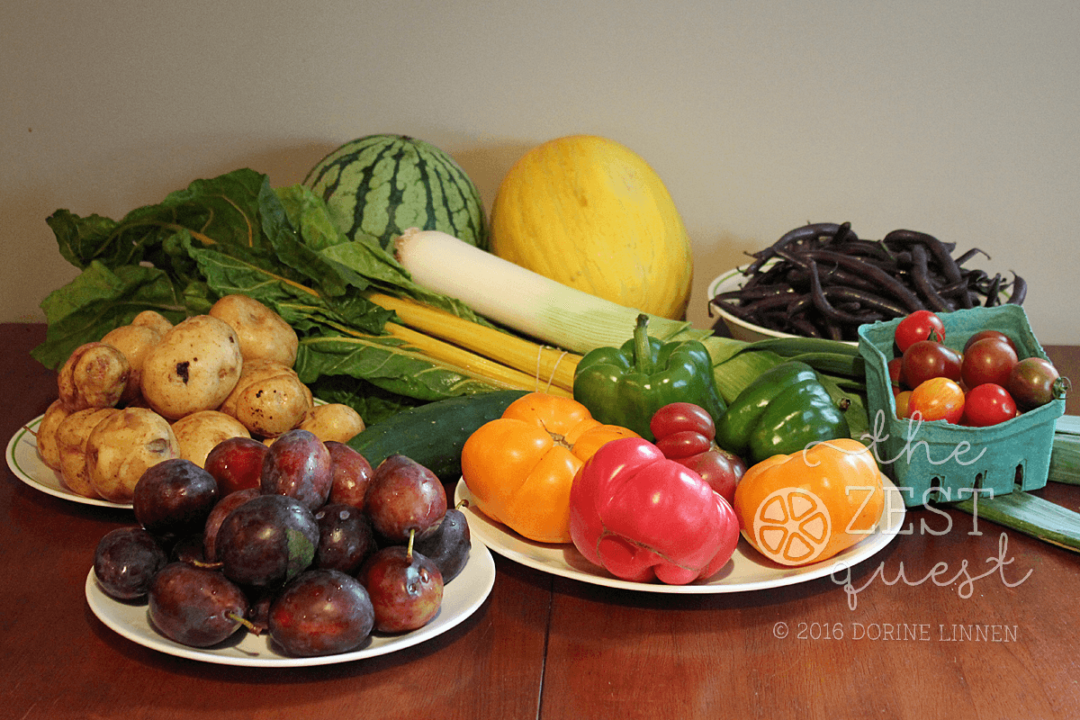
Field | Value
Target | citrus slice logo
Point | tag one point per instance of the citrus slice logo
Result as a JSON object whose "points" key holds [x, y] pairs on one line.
{"points": [[792, 526]]}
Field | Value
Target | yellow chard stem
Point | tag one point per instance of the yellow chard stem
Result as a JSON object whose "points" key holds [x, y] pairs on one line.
{"points": [[545, 364], [474, 365]]}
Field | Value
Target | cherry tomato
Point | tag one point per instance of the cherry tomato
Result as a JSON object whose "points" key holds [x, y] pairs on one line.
{"points": [[988, 404], [984, 334], [919, 325], [896, 378], [989, 360], [719, 468], [903, 404], [938, 398], [682, 429], [1034, 382], [928, 359]]}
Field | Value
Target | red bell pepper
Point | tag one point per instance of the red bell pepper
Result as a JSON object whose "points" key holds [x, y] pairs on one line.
{"points": [[644, 517], [685, 433]]}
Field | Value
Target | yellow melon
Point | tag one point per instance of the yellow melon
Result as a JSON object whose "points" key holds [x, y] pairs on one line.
{"points": [[592, 214]]}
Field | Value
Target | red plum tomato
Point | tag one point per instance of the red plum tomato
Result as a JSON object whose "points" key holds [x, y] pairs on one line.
{"points": [[938, 398], [988, 404], [919, 325], [984, 334], [927, 359], [1034, 382], [989, 360], [896, 375]]}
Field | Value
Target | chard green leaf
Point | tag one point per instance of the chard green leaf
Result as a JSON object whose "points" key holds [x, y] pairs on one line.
{"points": [[385, 362], [290, 250], [372, 402], [299, 305], [363, 262], [100, 299]]}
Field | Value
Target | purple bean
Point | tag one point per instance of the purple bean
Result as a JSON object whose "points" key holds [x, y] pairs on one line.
{"points": [[799, 234], [922, 280], [942, 252], [1019, 291]]}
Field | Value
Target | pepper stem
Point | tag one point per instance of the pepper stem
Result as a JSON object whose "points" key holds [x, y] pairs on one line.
{"points": [[643, 359]]}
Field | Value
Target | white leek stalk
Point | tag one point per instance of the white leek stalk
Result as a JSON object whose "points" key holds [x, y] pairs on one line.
{"points": [[523, 300]]}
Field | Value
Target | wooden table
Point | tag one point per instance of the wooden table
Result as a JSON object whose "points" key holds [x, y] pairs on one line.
{"points": [[920, 642]]}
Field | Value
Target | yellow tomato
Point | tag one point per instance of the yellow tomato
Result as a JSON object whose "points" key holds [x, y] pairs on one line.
{"points": [[807, 507], [519, 468]]}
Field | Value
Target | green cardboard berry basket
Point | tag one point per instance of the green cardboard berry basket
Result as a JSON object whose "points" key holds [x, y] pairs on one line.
{"points": [[941, 462]]}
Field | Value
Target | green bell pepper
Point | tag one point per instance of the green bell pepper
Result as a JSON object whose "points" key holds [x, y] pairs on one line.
{"points": [[626, 386], [782, 411]]}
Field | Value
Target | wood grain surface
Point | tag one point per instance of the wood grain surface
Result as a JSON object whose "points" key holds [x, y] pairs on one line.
{"points": [[952, 620]]}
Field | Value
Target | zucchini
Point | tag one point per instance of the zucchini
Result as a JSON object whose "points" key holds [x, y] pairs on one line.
{"points": [[433, 434]]}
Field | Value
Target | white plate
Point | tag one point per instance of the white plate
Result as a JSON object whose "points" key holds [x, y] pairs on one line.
{"points": [[746, 571], [461, 598], [27, 465]]}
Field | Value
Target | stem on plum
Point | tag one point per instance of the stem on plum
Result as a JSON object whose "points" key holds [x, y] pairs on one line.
{"points": [[252, 627]]}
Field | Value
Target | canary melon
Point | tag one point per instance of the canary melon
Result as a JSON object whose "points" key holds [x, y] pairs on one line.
{"points": [[381, 185], [592, 214]]}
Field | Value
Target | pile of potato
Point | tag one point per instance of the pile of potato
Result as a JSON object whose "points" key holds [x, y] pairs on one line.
{"points": [[151, 391]]}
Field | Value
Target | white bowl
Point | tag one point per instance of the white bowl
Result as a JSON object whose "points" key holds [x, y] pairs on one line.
{"points": [[740, 329]]}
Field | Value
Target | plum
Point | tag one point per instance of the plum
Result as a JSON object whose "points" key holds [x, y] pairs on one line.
{"points": [[267, 541], [404, 498], [299, 466], [217, 516], [126, 560], [321, 612], [173, 498], [448, 546], [236, 463], [195, 606], [351, 474], [405, 588], [345, 538]]}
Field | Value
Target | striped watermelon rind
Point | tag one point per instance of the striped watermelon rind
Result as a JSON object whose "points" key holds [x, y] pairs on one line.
{"points": [[380, 185]]}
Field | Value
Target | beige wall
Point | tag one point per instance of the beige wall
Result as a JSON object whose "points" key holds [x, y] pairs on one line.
{"points": [[956, 118]]}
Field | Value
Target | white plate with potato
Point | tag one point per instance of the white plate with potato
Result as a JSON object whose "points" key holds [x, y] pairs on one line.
{"points": [[27, 465]]}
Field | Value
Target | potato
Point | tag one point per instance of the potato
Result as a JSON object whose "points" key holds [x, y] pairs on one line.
{"points": [[269, 399], [47, 447], [194, 367], [121, 447], [333, 421], [153, 320], [71, 436], [198, 433], [134, 341], [263, 334], [94, 375]]}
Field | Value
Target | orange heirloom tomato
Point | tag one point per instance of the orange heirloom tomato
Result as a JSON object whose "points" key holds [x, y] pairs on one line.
{"points": [[806, 507], [519, 468]]}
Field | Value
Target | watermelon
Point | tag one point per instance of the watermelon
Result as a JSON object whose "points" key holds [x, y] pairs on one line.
{"points": [[380, 185]]}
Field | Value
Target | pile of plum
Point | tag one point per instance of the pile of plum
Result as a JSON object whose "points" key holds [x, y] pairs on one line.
{"points": [[300, 538]]}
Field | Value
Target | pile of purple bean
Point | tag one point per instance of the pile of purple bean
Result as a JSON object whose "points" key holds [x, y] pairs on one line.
{"points": [[822, 280]]}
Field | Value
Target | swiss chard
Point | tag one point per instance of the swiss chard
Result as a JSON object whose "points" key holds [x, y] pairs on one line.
{"points": [[236, 234]]}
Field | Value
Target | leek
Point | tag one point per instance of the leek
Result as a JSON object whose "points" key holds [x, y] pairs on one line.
{"points": [[523, 300], [550, 312], [1065, 454]]}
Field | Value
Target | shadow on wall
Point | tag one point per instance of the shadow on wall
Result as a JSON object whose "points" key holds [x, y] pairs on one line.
{"points": [[487, 165], [287, 165]]}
